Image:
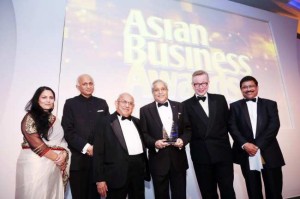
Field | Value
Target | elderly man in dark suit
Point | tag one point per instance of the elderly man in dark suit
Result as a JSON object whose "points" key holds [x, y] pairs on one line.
{"points": [[167, 160], [79, 117], [254, 125], [211, 153], [120, 161]]}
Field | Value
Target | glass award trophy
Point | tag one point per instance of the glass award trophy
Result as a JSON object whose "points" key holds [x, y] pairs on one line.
{"points": [[171, 139]]}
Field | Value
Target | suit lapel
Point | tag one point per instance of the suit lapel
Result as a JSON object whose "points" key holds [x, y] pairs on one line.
{"points": [[199, 110], [135, 122], [212, 112], [116, 127], [174, 111], [246, 114], [259, 115], [154, 113]]}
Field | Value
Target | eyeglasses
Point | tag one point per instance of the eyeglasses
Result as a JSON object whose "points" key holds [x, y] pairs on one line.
{"points": [[248, 87], [203, 84], [124, 103]]}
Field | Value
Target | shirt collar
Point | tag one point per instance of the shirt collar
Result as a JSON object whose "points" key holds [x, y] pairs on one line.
{"points": [[85, 98], [196, 95], [162, 103]]}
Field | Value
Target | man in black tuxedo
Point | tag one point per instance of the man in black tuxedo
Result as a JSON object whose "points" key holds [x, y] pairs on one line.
{"points": [[254, 125], [211, 153], [167, 161], [120, 160], [78, 121]]}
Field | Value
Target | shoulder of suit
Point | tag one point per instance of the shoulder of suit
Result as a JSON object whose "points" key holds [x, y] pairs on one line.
{"points": [[174, 102], [147, 105], [213, 95], [188, 100], [135, 118], [237, 102], [72, 98], [112, 117], [266, 100], [98, 99]]}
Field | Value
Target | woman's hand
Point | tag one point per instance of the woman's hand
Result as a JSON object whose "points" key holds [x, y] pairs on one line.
{"points": [[61, 160]]}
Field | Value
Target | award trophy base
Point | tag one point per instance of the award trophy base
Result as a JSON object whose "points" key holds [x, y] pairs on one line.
{"points": [[170, 140]]}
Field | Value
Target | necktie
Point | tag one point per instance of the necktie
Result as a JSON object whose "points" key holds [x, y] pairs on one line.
{"points": [[203, 98], [253, 100], [126, 118], [162, 104]]}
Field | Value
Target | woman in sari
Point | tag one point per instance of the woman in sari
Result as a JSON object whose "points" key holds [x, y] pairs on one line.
{"points": [[43, 163]]}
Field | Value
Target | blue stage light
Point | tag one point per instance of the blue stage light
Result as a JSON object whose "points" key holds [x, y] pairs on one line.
{"points": [[295, 3]]}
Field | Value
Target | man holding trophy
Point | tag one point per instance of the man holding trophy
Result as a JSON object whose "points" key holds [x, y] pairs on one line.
{"points": [[165, 137]]}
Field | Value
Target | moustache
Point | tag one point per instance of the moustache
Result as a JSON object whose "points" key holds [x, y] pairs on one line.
{"points": [[249, 92]]}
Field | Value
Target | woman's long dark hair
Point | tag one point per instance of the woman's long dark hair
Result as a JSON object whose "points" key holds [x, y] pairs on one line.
{"points": [[40, 116]]}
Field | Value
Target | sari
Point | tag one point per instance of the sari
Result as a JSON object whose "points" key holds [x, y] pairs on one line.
{"points": [[38, 177]]}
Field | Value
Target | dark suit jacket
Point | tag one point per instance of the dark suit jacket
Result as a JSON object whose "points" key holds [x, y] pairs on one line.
{"points": [[78, 121], [111, 154], [210, 139], [151, 124], [266, 131]]}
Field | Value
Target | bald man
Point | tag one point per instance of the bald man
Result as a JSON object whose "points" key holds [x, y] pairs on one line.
{"points": [[79, 117], [120, 159]]}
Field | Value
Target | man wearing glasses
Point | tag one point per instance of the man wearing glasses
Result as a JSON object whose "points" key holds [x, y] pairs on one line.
{"points": [[254, 124], [207, 114], [120, 161], [161, 123]]}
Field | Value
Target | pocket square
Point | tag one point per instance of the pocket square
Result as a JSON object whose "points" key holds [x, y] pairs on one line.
{"points": [[100, 111]]}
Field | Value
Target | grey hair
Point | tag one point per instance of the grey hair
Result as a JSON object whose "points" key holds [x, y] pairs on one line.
{"points": [[125, 93], [82, 75], [158, 81]]}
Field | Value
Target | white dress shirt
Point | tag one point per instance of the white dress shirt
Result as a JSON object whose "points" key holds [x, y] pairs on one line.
{"points": [[131, 136], [166, 116], [255, 162], [204, 104]]}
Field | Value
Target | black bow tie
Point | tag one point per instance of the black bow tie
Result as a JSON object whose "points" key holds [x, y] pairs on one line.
{"points": [[253, 100], [162, 104], [203, 98], [126, 118]]}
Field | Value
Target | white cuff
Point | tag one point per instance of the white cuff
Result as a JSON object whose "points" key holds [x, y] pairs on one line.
{"points": [[85, 148]]}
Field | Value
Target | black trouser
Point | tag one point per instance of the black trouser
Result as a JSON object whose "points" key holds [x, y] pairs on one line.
{"points": [[82, 186], [272, 181], [176, 180], [211, 176], [134, 185]]}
